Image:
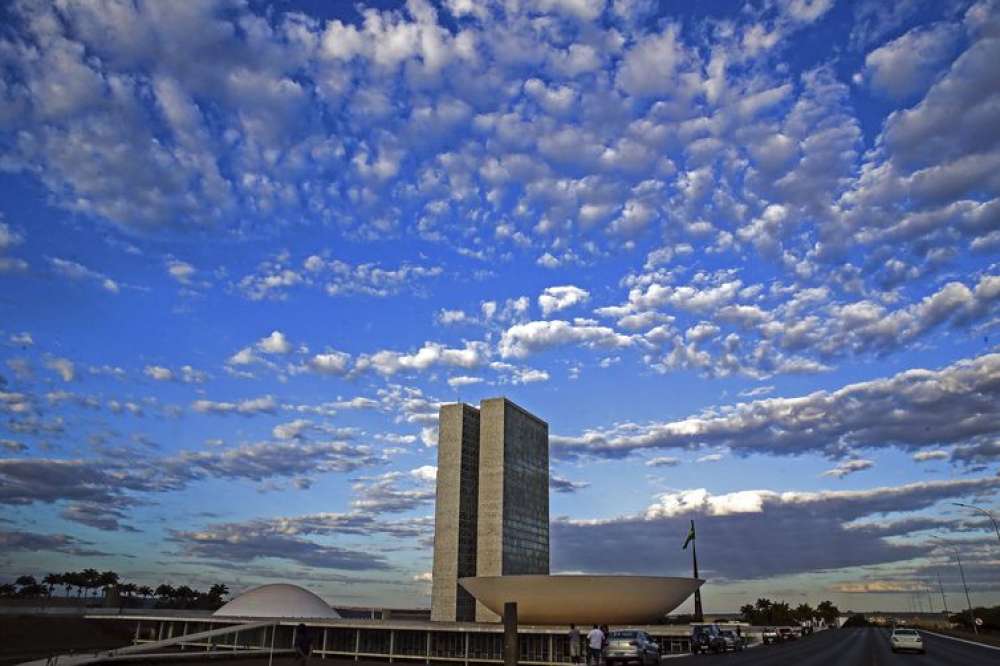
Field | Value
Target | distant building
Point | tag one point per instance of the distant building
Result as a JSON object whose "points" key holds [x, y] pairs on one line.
{"points": [[492, 510]]}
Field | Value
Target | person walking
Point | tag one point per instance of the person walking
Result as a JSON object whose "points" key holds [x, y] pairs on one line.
{"points": [[303, 644], [574, 644], [595, 642]]}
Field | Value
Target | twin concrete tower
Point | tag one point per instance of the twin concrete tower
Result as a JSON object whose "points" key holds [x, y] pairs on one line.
{"points": [[492, 508]]}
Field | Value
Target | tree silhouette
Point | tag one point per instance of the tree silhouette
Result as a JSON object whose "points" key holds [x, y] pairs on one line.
{"points": [[51, 581], [90, 580]]}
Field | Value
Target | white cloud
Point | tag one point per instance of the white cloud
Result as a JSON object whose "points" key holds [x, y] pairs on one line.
{"points": [[9, 237], [291, 430], [554, 299], [244, 356], [849, 467], [649, 68], [181, 271], [263, 405], [523, 340], [913, 409], [463, 380], [63, 367], [332, 363], [78, 272], [908, 64], [22, 339], [191, 375], [275, 343], [663, 461], [933, 454], [450, 317], [431, 354], [159, 373], [426, 473]]}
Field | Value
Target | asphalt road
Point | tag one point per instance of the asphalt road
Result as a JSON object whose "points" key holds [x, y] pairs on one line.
{"points": [[854, 647]]}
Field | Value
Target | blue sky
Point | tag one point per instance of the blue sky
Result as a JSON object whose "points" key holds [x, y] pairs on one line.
{"points": [[743, 260]]}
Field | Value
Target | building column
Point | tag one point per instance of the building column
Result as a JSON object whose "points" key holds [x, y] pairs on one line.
{"points": [[511, 651]]}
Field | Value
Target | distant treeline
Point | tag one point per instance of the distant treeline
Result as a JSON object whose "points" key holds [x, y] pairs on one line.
{"points": [[779, 613], [94, 584], [989, 615]]}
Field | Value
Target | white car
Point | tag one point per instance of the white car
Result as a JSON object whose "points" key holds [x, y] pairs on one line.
{"points": [[906, 639]]}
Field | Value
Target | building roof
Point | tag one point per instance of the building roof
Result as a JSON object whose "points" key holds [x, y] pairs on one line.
{"points": [[278, 600], [545, 600]]}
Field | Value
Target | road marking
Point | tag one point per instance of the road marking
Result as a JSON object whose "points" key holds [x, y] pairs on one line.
{"points": [[961, 640]]}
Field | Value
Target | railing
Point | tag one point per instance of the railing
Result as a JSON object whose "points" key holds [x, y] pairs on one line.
{"points": [[403, 644]]}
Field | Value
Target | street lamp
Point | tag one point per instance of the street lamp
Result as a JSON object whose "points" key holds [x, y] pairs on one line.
{"points": [[983, 511], [961, 570]]}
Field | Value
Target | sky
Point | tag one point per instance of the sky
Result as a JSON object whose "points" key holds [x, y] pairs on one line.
{"points": [[741, 257]]}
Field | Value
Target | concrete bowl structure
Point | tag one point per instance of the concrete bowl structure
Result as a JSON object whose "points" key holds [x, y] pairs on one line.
{"points": [[615, 600], [277, 600]]}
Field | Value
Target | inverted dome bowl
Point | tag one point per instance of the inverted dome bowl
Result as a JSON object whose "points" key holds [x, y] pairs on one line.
{"points": [[583, 599]]}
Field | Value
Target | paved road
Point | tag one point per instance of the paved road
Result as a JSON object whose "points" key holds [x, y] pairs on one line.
{"points": [[853, 647]]}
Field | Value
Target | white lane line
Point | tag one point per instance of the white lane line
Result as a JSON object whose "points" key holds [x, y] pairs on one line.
{"points": [[960, 640]]}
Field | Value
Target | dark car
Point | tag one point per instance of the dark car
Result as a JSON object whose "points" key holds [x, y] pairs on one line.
{"points": [[631, 646], [734, 642], [707, 638]]}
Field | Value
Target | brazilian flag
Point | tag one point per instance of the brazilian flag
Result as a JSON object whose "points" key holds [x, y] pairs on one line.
{"points": [[690, 537]]}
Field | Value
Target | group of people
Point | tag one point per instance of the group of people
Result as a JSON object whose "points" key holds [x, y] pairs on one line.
{"points": [[597, 644]]}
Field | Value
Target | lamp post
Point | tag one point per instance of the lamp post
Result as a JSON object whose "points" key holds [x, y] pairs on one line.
{"points": [[961, 571], [983, 511]]}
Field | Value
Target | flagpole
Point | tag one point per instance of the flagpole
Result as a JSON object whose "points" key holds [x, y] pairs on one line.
{"points": [[699, 616]]}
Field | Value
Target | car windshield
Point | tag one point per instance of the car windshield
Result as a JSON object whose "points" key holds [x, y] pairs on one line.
{"points": [[906, 632], [620, 635], [632, 286]]}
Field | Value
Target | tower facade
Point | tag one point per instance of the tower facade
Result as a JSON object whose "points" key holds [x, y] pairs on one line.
{"points": [[492, 512], [513, 530], [455, 509]]}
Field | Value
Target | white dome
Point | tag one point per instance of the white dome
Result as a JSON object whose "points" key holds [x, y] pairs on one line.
{"points": [[278, 600]]}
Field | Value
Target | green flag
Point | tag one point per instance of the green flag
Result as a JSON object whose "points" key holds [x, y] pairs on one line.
{"points": [[690, 537]]}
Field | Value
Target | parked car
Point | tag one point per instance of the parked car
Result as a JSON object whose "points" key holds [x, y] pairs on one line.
{"points": [[734, 642], [787, 634], [770, 635], [906, 639], [632, 646], [707, 638]]}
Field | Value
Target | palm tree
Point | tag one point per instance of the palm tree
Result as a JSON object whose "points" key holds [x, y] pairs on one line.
{"points": [[804, 612], [218, 591], [828, 612], [107, 580], [51, 581], [782, 612], [146, 591], [766, 608], [25, 581], [748, 612], [166, 593], [68, 581], [90, 579]]}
